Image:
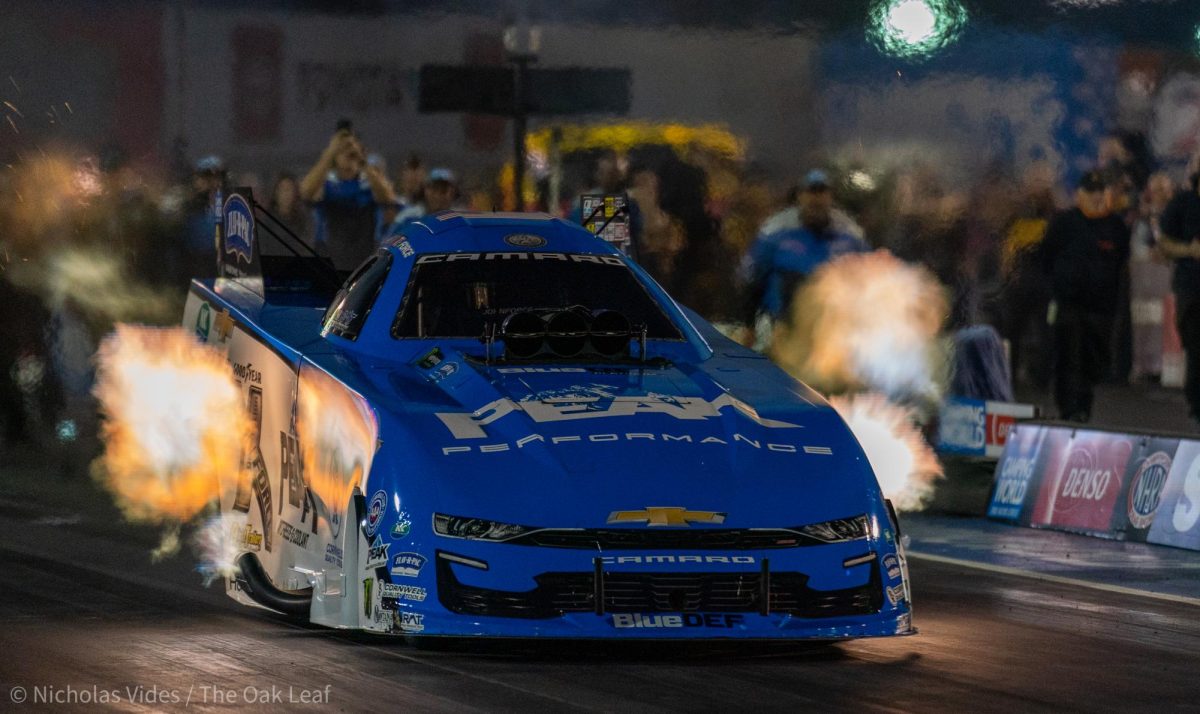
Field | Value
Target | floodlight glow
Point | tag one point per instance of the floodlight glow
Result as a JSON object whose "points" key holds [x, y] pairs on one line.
{"points": [[915, 28]]}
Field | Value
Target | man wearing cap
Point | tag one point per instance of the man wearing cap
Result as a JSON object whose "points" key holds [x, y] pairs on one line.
{"points": [[1179, 240], [790, 216], [1084, 254], [780, 260], [439, 194], [349, 196]]}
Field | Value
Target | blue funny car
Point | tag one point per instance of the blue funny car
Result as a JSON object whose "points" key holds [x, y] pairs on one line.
{"points": [[498, 425]]}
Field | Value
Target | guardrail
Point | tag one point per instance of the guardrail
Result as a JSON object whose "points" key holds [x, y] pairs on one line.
{"points": [[1120, 485]]}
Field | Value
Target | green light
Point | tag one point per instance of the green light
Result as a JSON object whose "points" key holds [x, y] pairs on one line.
{"points": [[915, 29]]}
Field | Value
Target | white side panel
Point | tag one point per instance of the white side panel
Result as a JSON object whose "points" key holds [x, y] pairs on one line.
{"points": [[295, 542]]}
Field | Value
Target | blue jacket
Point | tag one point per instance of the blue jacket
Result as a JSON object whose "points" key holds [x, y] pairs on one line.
{"points": [[778, 262]]}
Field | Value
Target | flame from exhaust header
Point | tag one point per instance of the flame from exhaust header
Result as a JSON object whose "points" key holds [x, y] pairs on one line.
{"points": [[867, 322], [904, 465], [337, 434], [866, 327], [175, 426], [218, 542]]}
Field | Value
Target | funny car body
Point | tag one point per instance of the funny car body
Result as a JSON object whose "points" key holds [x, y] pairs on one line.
{"points": [[500, 426]]}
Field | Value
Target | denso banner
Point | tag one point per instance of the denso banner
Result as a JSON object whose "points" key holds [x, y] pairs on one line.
{"points": [[1018, 472], [1177, 517], [1144, 481], [1083, 477], [1107, 484]]}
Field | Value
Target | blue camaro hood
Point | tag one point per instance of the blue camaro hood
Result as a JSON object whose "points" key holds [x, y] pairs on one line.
{"points": [[565, 446]]}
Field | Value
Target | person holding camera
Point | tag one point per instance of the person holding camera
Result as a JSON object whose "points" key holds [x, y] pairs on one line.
{"points": [[348, 196]]}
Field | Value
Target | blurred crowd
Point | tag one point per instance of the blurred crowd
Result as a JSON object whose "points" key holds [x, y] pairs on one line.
{"points": [[94, 238]]}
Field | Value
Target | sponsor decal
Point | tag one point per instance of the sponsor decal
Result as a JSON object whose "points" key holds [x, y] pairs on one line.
{"points": [[1187, 510], [375, 513], [223, 323], [977, 427], [383, 617], [611, 438], [1178, 520], [367, 583], [468, 425], [290, 482], [203, 321], [1000, 426], [607, 217], [250, 538], [1145, 489], [343, 319], [377, 554], [895, 594], [891, 565], [402, 528], [407, 565], [262, 494], [1082, 492], [657, 559], [392, 591], [666, 516], [524, 240], [1087, 483], [333, 555], [1017, 471], [239, 228], [406, 250], [444, 370], [410, 621], [247, 373], [293, 535], [961, 426], [1012, 486], [721, 620], [564, 257], [431, 359]]}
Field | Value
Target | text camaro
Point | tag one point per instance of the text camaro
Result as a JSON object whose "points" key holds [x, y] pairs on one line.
{"points": [[500, 426]]}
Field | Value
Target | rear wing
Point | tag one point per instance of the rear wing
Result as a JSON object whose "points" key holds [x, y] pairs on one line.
{"points": [[288, 266]]}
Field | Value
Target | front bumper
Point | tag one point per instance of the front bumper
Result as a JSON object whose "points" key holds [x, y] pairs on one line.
{"points": [[601, 592], [802, 593]]}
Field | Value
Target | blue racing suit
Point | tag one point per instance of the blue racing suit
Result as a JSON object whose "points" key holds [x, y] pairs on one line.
{"points": [[778, 262]]}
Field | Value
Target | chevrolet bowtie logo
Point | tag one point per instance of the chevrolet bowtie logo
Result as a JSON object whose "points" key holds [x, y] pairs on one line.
{"points": [[223, 324], [666, 516]]}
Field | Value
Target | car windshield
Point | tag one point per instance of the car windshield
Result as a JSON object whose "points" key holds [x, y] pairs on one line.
{"points": [[457, 294]]}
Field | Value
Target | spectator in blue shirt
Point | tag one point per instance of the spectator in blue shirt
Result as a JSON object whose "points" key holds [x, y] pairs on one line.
{"points": [[349, 197], [439, 194], [779, 261]]}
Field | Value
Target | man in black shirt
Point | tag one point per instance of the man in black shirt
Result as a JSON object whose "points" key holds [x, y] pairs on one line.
{"points": [[1084, 253], [1180, 241]]}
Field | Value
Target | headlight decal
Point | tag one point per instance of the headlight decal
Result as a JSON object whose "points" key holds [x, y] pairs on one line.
{"points": [[839, 530], [476, 528]]}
